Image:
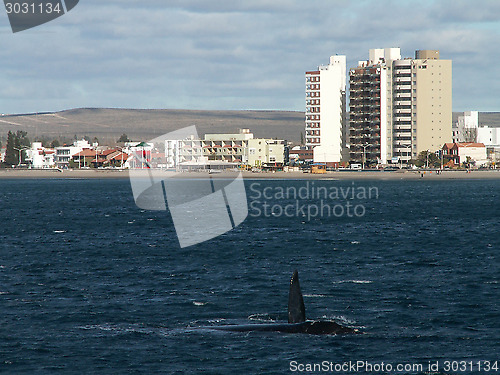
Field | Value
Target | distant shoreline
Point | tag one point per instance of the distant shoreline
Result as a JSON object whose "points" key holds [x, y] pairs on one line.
{"points": [[337, 175]]}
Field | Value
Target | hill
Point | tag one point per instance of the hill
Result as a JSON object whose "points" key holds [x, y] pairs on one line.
{"points": [[143, 124]]}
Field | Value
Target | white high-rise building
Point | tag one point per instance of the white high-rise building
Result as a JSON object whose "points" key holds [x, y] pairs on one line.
{"points": [[326, 111]]}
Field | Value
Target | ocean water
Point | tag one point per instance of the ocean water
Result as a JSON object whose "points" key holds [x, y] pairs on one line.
{"points": [[89, 283]]}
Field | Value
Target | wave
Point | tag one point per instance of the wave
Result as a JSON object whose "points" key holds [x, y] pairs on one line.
{"points": [[267, 317], [353, 281], [341, 319], [124, 329]]}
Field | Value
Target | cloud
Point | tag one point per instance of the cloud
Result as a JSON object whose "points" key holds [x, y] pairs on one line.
{"points": [[464, 12], [230, 55]]}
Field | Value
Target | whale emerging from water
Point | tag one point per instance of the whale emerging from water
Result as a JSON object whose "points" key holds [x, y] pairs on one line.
{"points": [[297, 322]]}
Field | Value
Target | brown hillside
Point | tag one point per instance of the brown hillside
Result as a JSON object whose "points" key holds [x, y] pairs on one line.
{"points": [[108, 124]]}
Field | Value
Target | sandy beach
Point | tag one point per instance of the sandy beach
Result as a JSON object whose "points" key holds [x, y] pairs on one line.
{"points": [[339, 175]]}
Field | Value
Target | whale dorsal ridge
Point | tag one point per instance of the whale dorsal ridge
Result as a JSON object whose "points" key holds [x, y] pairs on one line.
{"points": [[296, 308]]}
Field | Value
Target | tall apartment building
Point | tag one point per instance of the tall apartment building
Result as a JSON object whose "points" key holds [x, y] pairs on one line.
{"points": [[326, 111], [371, 107], [399, 107]]}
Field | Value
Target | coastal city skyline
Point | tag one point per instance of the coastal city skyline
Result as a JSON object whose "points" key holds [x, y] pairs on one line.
{"points": [[231, 56], [399, 107]]}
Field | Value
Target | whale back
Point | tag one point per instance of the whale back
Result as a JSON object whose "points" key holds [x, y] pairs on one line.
{"points": [[296, 308]]}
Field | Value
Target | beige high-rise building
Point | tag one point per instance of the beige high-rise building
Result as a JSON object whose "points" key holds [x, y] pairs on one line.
{"points": [[431, 98], [413, 114]]}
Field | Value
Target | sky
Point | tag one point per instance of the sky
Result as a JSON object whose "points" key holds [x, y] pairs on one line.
{"points": [[232, 54]]}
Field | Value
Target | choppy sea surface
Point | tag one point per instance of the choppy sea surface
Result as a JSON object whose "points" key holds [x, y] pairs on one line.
{"points": [[89, 283]]}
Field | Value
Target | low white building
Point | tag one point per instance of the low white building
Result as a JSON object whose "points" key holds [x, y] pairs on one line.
{"points": [[476, 152], [41, 157], [263, 152], [326, 155], [65, 153], [224, 151], [228, 148]]}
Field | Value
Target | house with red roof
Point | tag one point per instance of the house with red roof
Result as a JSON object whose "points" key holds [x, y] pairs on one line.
{"points": [[100, 158], [465, 152]]}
